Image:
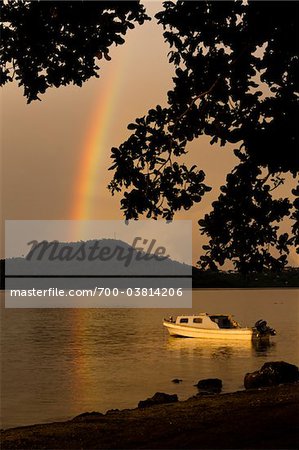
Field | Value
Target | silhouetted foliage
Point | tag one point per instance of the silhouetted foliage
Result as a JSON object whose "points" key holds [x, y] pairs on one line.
{"points": [[54, 43], [236, 80], [295, 217], [244, 224]]}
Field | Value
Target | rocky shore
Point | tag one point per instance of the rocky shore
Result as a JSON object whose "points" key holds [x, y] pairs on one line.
{"points": [[265, 418]]}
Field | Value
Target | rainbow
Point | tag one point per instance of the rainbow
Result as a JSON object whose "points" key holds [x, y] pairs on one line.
{"points": [[96, 143]]}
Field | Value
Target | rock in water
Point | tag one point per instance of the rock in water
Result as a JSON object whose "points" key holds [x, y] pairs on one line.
{"points": [[112, 411], [271, 374], [87, 416], [158, 399], [210, 385], [176, 380]]}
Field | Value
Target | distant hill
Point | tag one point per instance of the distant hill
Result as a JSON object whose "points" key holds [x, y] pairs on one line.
{"points": [[94, 257], [77, 263]]}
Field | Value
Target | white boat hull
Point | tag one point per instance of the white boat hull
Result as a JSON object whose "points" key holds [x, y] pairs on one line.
{"points": [[174, 329]]}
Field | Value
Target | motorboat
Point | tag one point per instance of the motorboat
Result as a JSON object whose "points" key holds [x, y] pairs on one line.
{"points": [[218, 326]]}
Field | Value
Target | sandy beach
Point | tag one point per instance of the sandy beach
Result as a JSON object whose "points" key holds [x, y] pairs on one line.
{"points": [[260, 418]]}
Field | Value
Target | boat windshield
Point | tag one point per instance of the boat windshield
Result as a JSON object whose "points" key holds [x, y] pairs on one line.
{"points": [[224, 321]]}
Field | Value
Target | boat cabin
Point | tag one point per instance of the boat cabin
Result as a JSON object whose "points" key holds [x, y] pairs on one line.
{"points": [[207, 321]]}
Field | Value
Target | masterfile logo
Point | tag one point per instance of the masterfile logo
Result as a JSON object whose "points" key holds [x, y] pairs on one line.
{"points": [[135, 264]]}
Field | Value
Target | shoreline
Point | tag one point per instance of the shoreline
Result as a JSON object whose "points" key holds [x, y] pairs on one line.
{"points": [[255, 418]]}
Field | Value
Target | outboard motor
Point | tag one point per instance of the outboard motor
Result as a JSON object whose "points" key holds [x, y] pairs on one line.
{"points": [[263, 329]]}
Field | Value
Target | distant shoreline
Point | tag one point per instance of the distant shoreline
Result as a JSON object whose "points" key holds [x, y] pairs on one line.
{"points": [[259, 418], [288, 278], [271, 288]]}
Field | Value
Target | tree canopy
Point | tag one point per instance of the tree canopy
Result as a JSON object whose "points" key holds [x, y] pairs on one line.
{"points": [[55, 43], [236, 80]]}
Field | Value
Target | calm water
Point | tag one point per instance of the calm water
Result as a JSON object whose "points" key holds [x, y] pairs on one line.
{"points": [[59, 363]]}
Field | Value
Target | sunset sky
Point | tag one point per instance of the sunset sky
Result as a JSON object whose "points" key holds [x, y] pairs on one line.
{"points": [[56, 152]]}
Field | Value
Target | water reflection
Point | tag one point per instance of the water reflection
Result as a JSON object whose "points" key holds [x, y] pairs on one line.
{"points": [[210, 348], [262, 347], [214, 348]]}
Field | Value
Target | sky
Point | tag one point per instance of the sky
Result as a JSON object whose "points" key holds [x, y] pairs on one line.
{"points": [[56, 153]]}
